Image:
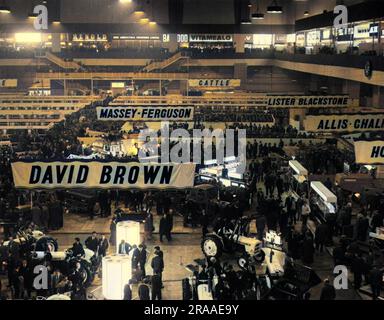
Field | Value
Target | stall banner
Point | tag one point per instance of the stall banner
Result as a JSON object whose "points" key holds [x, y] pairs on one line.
{"points": [[214, 83], [345, 122], [125, 113], [103, 175], [309, 101], [8, 83], [210, 38], [369, 152]]}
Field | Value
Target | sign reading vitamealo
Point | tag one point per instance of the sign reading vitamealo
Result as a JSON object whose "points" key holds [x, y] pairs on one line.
{"points": [[345, 122], [126, 113], [104, 175], [215, 83], [369, 152]]}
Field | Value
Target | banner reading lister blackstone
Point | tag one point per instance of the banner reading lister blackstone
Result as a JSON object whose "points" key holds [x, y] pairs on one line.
{"points": [[369, 152], [127, 113], [309, 101], [103, 175], [345, 122]]}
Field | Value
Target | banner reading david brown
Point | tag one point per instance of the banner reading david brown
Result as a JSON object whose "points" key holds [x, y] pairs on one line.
{"points": [[369, 152], [103, 175], [345, 122], [125, 113]]}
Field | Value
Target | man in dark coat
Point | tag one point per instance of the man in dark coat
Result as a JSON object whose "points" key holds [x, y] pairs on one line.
{"points": [[36, 215], [124, 248], [143, 290], [260, 226], [142, 259], [135, 257], [376, 280], [321, 236], [157, 265], [103, 246], [308, 250], [128, 291], [92, 243], [156, 287], [163, 228], [328, 292], [362, 226], [77, 248]]}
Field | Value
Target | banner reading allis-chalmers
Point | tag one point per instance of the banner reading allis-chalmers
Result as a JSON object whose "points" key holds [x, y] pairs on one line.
{"points": [[126, 113], [345, 122], [369, 152], [103, 175]]}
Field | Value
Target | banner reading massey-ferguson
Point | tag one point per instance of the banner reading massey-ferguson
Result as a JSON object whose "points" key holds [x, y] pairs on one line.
{"points": [[369, 152], [126, 113], [103, 175], [345, 122]]}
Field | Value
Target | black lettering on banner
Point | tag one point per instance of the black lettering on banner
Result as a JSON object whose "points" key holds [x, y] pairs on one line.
{"points": [[82, 175], [35, 174], [61, 173], [377, 151], [104, 113], [119, 175], [321, 125], [150, 174], [133, 175], [166, 175], [71, 171], [47, 178], [106, 174]]}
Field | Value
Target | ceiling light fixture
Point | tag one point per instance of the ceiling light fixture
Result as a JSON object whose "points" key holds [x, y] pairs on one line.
{"points": [[5, 9], [257, 15], [274, 8]]}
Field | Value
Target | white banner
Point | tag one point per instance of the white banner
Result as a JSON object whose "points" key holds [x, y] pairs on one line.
{"points": [[369, 152], [8, 83], [214, 83], [125, 113], [308, 101], [103, 175], [345, 122]]}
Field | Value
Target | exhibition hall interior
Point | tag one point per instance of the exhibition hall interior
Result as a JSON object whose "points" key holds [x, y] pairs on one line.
{"points": [[191, 150]]}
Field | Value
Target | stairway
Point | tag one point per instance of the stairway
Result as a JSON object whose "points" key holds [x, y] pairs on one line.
{"points": [[60, 62], [160, 65]]}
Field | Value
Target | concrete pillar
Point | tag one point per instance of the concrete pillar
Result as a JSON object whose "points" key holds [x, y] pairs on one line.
{"points": [[378, 97], [170, 42], [380, 172], [239, 43], [240, 72], [56, 47], [352, 88]]}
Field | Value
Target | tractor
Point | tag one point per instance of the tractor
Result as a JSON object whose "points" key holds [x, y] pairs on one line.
{"points": [[232, 236]]}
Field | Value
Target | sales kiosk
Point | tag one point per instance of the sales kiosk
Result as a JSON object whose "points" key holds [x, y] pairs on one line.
{"points": [[325, 200], [299, 179]]}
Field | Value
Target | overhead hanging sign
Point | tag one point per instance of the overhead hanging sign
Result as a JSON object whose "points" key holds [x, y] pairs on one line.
{"points": [[369, 152], [125, 113], [210, 38], [103, 175], [214, 83], [345, 122], [8, 83], [308, 101]]}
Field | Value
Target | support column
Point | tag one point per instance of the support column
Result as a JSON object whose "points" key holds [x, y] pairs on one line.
{"points": [[352, 88], [378, 97], [240, 72], [56, 47]]}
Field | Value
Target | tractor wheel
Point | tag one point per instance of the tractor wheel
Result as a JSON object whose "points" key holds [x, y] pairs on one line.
{"points": [[212, 246], [259, 256], [243, 262]]}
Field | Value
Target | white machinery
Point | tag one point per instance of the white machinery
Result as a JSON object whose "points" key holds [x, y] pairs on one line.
{"points": [[300, 176], [324, 198]]}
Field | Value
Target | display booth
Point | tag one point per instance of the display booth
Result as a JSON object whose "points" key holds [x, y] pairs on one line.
{"points": [[117, 271], [129, 231], [299, 179], [325, 200]]}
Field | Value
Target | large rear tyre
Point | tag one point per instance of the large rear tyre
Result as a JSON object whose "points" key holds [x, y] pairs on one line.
{"points": [[212, 246]]}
